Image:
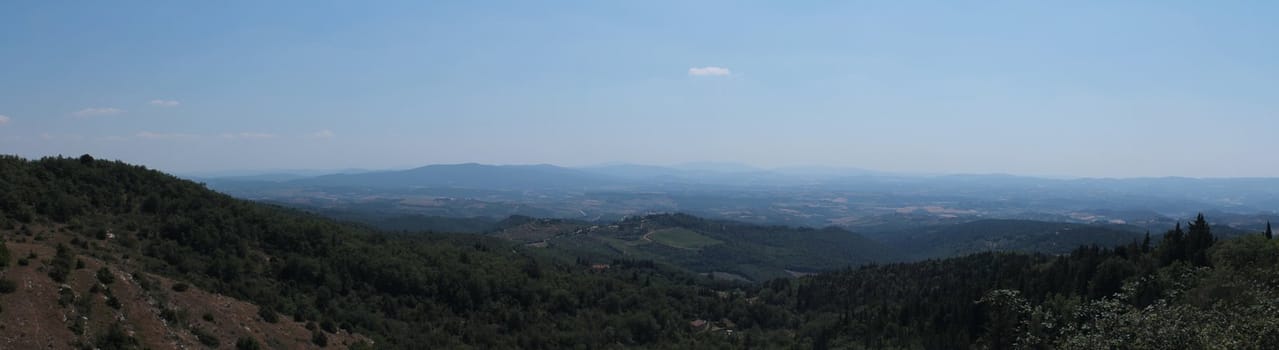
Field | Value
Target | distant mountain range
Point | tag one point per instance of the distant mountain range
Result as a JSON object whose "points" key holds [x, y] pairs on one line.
{"points": [[814, 196], [470, 175], [551, 176]]}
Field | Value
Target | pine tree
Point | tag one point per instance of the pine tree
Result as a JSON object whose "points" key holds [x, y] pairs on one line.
{"points": [[1198, 239], [1173, 246], [1269, 234], [1145, 243]]}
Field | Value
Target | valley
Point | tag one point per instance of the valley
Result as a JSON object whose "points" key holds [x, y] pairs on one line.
{"points": [[162, 250]]}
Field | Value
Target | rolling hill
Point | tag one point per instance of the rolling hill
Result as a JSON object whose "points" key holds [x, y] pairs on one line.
{"points": [[189, 267], [106, 255], [942, 241], [469, 175], [720, 247]]}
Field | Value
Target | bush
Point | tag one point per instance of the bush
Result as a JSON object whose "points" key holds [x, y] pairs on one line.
{"points": [[180, 287], [105, 276], [7, 286], [58, 275], [319, 339], [246, 343], [268, 315], [4, 255], [205, 337], [145, 282], [113, 302], [328, 326], [116, 338], [173, 316], [65, 297], [1245, 253]]}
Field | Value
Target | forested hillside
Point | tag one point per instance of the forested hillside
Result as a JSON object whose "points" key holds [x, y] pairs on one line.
{"points": [[723, 248], [402, 292], [1184, 288], [1027, 236]]}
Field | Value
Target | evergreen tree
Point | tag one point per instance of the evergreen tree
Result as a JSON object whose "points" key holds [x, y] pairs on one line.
{"points": [[1173, 246], [1269, 234], [1198, 239]]}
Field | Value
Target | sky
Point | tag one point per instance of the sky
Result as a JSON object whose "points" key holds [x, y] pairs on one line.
{"points": [[1061, 88]]}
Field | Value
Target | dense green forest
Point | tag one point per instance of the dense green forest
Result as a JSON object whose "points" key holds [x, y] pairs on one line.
{"points": [[741, 250], [1180, 289], [416, 291], [943, 241]]}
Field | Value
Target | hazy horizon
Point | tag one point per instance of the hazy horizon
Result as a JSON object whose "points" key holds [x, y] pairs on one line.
{"points": [[809, 169], [1078, 89]]}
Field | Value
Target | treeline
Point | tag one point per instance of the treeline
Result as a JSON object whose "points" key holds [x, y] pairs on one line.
{"points": [[1185, 290]]}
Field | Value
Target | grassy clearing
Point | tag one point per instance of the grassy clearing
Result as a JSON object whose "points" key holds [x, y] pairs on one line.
{"points": [[682, 238], [624, 247]]}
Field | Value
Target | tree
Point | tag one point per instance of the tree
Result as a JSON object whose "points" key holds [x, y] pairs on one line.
{"points": [[63, 261], [1198, 240], [1269, 234], [1173, 246]]}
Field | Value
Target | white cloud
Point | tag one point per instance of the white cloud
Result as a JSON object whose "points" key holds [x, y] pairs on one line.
{"points": [[4, 119], [323, 134], [164, 136], [164, 103], [248, 135], [709, 71], [97, 111], [50, 137]]}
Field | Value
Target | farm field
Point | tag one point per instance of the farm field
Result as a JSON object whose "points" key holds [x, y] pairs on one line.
{"points": [[682, 238]]}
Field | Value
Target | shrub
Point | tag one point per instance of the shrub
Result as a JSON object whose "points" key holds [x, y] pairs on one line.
{"points": [[328, 326], [4, 255], [246, 343], [268, 315], [113, 302], [205, 337], [319, 339], [105, 276], [116, 338]]}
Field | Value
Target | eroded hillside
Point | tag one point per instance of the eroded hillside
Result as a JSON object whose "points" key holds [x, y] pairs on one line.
{"points": [[74, 290]]}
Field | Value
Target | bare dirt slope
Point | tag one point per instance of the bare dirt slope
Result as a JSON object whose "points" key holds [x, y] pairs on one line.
{"points": [[41, 313]]}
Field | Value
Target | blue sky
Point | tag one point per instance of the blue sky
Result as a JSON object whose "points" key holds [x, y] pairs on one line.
{"points": [[1076, 88]]}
